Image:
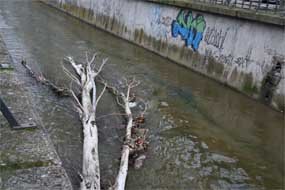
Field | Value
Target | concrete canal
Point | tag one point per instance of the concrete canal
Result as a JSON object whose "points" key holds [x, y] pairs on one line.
{"points": [[203, 135]]}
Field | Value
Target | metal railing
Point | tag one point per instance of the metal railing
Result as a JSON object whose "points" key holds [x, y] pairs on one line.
{"points": [[12, 120], [273, 6]]}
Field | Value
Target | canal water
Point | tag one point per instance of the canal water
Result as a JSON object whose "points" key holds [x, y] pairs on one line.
{"points": [[203, 135]]}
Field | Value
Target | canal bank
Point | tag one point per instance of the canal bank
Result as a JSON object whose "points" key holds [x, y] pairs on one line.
{"points": [[203, 135], [242, 49], [28, 159]]}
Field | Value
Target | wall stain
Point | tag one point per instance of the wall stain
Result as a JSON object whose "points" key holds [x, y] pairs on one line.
{"points": [[248, 85]]}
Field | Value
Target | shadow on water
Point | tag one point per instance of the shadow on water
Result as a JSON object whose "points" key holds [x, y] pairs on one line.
{"points": [[203, 135]]}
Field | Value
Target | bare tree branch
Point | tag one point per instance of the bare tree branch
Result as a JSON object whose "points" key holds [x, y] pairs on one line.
{"points": [[101, 94], [101, 67], [87, 110], [70, 75], [87, 73], [111, 114], [76, 99], [78, 68]]}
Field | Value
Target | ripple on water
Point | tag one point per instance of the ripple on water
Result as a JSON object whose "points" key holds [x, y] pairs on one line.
{"points": [[178, 156], [185, 158]]}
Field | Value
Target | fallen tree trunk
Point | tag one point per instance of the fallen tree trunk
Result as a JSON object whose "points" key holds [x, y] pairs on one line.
{"points": [[85, 78], [130, 144], [134, 141], [123, 170]]}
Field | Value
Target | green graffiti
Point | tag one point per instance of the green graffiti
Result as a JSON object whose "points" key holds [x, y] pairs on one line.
{"points": [[189, 28]]}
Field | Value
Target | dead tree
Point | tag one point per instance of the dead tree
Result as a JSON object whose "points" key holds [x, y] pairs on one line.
{"points": [[123, 170], [85, 79], [130, 144]]}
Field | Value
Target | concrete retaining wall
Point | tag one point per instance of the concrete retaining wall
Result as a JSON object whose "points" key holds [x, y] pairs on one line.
{"points": [[246, 55]]}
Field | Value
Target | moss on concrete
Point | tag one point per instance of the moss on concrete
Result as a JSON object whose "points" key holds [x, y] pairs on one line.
{"points": [[24, 165], [248, 86], [214, 67], [233, 76]]}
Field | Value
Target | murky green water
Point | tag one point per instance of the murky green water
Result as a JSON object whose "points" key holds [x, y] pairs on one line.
{"points": [[208, 137]]}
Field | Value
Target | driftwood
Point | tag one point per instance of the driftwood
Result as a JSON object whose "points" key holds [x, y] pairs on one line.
{"points": [[60, 91], [135, 142], [85, 79], [135, 137]]}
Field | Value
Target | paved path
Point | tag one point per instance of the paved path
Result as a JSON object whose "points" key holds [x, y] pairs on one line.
{"points": [[28, 160]]}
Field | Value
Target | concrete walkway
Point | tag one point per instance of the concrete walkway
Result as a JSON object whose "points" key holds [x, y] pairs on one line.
{"points": [[28, 160]]}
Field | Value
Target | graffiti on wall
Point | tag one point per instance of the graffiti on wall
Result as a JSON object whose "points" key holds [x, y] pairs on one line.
{"points": [[160, 24], [189, 28], [216, 37], [106, 7], [229, 60]]}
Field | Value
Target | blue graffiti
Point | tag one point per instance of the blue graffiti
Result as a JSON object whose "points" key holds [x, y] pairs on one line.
{"points": [[190, 29]]}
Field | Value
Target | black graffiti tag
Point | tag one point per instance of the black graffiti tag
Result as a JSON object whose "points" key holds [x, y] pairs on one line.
{"points": [[216, 37]]}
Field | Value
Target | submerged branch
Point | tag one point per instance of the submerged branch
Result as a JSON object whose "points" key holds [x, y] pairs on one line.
{"points": [[60, 91]]}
